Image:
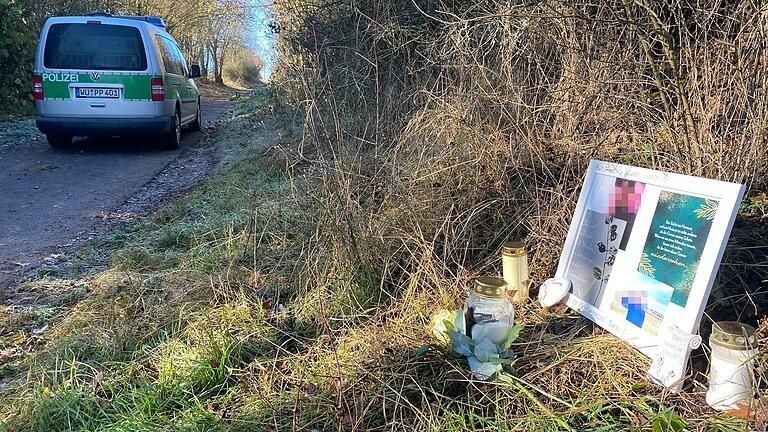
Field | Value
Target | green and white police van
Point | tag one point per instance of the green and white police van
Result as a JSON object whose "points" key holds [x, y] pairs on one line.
{"points": [[104, 75]]}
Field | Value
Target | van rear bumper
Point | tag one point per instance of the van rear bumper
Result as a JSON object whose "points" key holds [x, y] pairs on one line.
{"points": [[105, 126]]}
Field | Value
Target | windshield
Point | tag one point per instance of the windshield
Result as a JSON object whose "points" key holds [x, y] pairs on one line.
{"points": [[94, 46]]}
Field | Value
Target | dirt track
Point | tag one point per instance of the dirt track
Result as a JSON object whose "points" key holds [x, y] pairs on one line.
{"points": [[52, 200]]}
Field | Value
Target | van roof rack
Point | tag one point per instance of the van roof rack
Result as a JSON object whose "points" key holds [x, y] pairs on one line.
{"points": [[155, 20]]}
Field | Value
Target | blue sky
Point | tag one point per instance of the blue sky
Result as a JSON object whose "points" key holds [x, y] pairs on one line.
{"points": [[263, 41]]}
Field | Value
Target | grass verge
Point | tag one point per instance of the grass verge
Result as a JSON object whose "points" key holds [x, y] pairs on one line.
{"points": [[224, 311]]}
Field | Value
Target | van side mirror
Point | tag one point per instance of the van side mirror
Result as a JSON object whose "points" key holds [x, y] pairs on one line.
{"points": [[194, 71]]}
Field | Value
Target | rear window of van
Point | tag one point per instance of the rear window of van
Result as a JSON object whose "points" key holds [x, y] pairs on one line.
{"points": [[95, 47]]}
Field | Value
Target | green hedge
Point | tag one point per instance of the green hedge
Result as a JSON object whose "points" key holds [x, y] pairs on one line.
{"points": [[17, 51]]}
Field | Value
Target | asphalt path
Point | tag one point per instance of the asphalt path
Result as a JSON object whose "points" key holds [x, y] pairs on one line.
{"points": [[52, 198]]}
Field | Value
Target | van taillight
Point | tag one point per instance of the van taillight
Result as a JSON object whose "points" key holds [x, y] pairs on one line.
{"points": [[37, 87], [158, 89]]}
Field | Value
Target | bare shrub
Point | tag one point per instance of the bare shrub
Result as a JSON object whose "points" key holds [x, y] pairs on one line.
{"points": [[472, 122], [437, 130]]}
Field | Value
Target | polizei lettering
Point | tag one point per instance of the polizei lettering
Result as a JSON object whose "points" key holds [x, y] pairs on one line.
{"points": [[60, 77]]}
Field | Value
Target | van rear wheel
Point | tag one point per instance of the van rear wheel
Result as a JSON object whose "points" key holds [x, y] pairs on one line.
{"points": [[58, 140], [172, 139]]}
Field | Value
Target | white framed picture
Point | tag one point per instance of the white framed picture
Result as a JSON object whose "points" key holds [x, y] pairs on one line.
{"points": [[642, 253]]}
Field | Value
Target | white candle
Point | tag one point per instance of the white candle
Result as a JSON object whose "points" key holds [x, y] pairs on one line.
{"points": [[731, 368]]}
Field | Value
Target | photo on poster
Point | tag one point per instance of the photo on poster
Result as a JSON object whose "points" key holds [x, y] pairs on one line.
{"points": [[643, 302], [624, 204], [594, 255], [678, 233], [618, 198]]}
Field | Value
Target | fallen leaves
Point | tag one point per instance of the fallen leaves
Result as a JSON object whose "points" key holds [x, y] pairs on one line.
{"points": [[749, 410]]}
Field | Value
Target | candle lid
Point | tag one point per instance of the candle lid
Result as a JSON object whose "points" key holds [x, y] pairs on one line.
{"points": [[732, 335], [513, 248], [489, 286]]}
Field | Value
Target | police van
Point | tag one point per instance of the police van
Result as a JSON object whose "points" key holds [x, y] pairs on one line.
{"points": [[113, 76]]}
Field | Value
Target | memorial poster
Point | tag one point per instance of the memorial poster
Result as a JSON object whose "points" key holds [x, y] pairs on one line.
{"points": [[642, 253]]}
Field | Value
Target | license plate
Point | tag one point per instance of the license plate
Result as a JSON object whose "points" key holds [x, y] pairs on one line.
{"points": [[96, 92]]}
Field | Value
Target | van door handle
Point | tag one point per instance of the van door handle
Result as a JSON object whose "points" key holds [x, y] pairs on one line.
{"points": [[98, 105]]}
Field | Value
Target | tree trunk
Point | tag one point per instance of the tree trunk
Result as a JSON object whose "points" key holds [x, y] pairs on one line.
{"points": [[202, 63], [220, 68], [213, 49]]}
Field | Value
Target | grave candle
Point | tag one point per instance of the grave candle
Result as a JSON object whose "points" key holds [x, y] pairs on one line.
{"points": [[514, 261], [730, 371], [488, 312]]}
